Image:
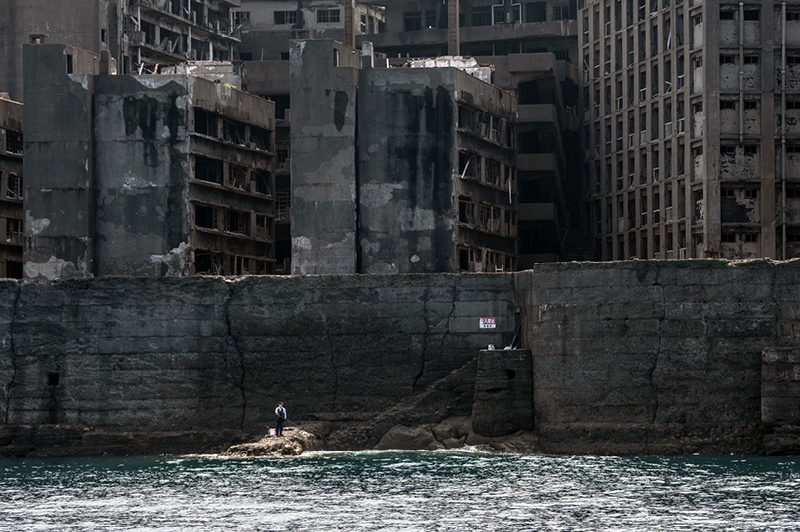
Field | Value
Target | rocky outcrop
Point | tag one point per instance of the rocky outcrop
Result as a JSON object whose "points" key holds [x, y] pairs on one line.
{"points": [[291, 443]]}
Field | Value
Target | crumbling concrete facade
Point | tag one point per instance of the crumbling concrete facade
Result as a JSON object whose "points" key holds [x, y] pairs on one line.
{"points": [[87, 24], [159, 32], [398, 170], [635, 357], [141, 35], [268, 26], [11, 152], [164, 175], [688, 128], [421, 28]]}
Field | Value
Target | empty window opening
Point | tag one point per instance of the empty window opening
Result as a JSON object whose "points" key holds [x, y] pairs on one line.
{"points": [[205, 216]]}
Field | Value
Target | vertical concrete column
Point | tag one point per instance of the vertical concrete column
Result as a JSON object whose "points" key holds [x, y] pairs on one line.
{"points": [[453, 43], [503, 401], [323, 140], [367, 55], [59, 161]]}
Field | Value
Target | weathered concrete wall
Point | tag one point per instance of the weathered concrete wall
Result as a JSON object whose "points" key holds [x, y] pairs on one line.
{"points": [[141, 175], [323, 157], [58, 135], [209, 354], [405, 164], [654, 357], [625, 358]]}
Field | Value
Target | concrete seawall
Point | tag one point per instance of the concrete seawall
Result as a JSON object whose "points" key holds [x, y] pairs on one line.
{"points": [[634, 357]]}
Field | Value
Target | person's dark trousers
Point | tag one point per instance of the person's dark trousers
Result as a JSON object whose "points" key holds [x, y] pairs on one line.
{"points": [[279, 427]]}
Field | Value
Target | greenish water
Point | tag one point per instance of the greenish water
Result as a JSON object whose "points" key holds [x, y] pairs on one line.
{"points": [[394, 491]]}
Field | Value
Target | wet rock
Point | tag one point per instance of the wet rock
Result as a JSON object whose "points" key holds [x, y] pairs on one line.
{"points": [[400, 437], [292, 443], [454, 443], [452, 428]]}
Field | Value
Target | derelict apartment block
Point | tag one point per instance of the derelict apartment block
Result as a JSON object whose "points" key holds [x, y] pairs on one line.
{"points": [[529, 46], [151, 175], [166, 32], [692, 143], [11, 151], [398, 170]]}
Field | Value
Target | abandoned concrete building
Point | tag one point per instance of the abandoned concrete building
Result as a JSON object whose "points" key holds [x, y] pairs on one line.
{"points": [[530, 47], [267, 26], [485, 28], [398, 170], [11, 150], [143, 175], [140, 34], [692, 143]]}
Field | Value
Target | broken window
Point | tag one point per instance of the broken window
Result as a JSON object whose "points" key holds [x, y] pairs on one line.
{"points": [[205, 122], [492, 172], [262, 181], [13, 231], [259, 138], [238, 222], [233, 132], [14, 187], [468, 165], [14, 142], [206, 217], [208, 170], [238, 177], [466, 211], [207, 262], [262, 227], [283, 203]]}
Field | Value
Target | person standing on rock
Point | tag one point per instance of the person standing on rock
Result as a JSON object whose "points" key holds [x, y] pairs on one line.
{"points": [[280, 417]]}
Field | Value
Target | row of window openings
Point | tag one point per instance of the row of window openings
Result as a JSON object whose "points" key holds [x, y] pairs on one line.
{"points": [[211, 262], [486, 217], [486, 125], [484, 260], [489, 15], [207, 123], [324, 16], [697, 109], [751, 14], [484, 170], [230, 221], [239, 177], [726, 151]]}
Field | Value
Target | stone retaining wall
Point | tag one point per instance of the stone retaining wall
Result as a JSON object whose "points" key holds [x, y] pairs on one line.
{"points": [[625, 358]]}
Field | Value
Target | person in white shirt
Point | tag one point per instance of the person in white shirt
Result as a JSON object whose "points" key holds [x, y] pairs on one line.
{"points": [[280, 416]]}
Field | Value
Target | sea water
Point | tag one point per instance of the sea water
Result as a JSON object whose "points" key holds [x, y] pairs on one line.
{"points": [[401, 491]]}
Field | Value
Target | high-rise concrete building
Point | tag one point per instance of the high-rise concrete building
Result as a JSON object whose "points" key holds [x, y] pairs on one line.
{"points": [[143, 175], [399, 170], [423, 28], [139, 34], [532, 48], [11, 151], [267, 26], [691, 135]]}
